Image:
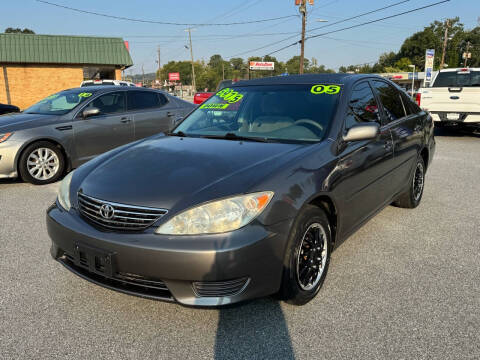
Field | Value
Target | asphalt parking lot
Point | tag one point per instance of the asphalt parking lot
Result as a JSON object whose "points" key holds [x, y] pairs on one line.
{"points": [[405, 286]]}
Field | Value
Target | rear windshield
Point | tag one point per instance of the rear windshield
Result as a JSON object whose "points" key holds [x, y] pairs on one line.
{"points": [[457, 79]]}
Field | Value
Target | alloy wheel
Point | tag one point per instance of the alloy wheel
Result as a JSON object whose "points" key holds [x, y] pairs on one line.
{"points": [[43, 164], [418, 181], [312, 257]]}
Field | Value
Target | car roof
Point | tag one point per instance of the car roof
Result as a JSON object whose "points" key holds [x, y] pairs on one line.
{"points": [[338, 78], [104, 88]]}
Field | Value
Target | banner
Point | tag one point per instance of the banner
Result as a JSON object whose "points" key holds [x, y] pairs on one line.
{"points": [[429, 58], [262, 65]]}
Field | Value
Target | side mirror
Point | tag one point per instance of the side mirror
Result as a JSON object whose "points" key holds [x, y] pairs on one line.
{"points": [[90, 112], [364, 131]]}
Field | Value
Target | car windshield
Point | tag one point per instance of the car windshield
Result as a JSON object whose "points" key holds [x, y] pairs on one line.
{"points": [[59, 103], [299, 113], [457, 79]]}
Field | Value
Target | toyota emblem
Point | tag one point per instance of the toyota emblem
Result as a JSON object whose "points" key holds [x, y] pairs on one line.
{"points": [[107, 211]]}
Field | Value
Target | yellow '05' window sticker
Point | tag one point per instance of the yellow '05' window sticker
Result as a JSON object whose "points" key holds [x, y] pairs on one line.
{"points": [[85, 94], [325, 89]]}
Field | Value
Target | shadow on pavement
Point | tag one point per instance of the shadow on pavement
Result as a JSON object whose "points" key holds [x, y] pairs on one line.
{"points": [[451, 131], [256, 330]]}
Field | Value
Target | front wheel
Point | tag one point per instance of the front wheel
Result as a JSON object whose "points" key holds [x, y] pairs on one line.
{"points": [[41, 163], [308, 256]]}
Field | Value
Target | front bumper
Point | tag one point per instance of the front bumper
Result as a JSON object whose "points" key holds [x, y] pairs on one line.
{"points": [[208, 270], [8, 156]]}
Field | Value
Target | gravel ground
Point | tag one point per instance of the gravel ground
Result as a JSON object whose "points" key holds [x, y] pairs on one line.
{"points": [[405, 286]]}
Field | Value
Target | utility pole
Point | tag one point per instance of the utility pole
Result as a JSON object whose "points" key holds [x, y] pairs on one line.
{"points": [[467, 54], [223, 70], [303, 12], [159, 65], [194, 85], [445, 39], [143, 76]]}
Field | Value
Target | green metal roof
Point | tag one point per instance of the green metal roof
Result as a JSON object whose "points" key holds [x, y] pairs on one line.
{"points": [[59, 49]]}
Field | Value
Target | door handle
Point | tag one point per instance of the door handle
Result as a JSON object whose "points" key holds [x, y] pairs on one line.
{"points": [[169, 113], [125, 120]]}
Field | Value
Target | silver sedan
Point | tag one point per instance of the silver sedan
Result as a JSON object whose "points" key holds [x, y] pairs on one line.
{"points": [[71, 127]]}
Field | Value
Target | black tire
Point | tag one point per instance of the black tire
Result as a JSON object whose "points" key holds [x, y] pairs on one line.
{"points": [[51, 177], [291, 289], [411, 198]]}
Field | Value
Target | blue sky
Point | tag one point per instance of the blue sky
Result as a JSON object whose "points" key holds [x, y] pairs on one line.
{"points": [[355, 46]]}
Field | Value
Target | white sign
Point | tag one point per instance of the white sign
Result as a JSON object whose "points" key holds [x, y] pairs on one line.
{"points": [[429, 58], [262, 65]]}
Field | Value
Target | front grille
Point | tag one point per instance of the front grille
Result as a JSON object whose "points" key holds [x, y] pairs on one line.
{"points": [[132, 284], [124, 217], [220, 288]]}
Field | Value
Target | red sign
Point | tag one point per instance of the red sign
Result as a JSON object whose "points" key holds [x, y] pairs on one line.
{"points": [[174, 76], [127, 45]]}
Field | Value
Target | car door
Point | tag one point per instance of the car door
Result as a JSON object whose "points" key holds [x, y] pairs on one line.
{"points": [[152, 113], [363, 168], [111, 128], [406, 128]]}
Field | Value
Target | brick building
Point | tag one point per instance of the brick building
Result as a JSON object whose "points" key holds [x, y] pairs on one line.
{"points": [[35, 66]]}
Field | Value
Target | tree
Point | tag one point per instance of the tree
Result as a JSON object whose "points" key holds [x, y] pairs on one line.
{"points": [[293, 64], [431, 37], [472, 36], [238, 68], [18, 31]]}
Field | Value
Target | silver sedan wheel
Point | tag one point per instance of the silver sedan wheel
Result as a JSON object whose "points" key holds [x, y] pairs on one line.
{"points": [[312, 256], [43, 164]]}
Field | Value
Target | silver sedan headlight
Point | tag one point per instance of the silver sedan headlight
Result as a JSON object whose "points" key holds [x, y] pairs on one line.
{"points": [[218, 216], [64, 192]]}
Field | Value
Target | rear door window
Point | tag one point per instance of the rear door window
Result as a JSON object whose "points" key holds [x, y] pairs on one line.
{"points": [[410, 107], [139, 100], [362, 106], [391, 100]]}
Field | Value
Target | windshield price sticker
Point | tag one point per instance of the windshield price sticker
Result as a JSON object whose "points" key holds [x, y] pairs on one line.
{"points": [[325, 89], [214, 106], [229, 95], [85, 94]]}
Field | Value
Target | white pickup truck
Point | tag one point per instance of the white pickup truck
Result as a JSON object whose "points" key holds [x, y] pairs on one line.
{"points": [[453, 98]]}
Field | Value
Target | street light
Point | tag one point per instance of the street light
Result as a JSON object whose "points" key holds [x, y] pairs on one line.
{"points": [[413, 78], [321, 20]]}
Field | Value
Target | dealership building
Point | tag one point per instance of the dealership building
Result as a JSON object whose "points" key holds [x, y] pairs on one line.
{"points": [[33, 67]]}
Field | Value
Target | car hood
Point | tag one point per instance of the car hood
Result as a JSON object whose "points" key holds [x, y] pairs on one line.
{"points": [[171, 171], [13, 122]]}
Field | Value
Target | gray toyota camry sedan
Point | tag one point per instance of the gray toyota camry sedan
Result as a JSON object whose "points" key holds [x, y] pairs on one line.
{"points": [[66, 129], [248, 195]]}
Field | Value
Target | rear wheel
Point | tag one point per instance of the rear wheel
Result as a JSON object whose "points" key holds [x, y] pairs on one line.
{"points": [[41, 163], [413, 195], [308, 256]]}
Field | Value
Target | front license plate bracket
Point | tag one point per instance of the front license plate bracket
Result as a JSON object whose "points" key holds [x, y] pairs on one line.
{"points": [[96, 260]]}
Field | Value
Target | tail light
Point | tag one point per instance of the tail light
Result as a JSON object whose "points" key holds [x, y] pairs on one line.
{"points": [[418, 98]]}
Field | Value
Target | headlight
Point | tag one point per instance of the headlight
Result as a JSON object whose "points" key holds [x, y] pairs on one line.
{"points": [[64, 192], [217, 216], [4, 137]]}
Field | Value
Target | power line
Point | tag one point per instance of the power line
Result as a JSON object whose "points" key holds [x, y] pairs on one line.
{"points": [[321, 27], [362, 24], [162, 22]]}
